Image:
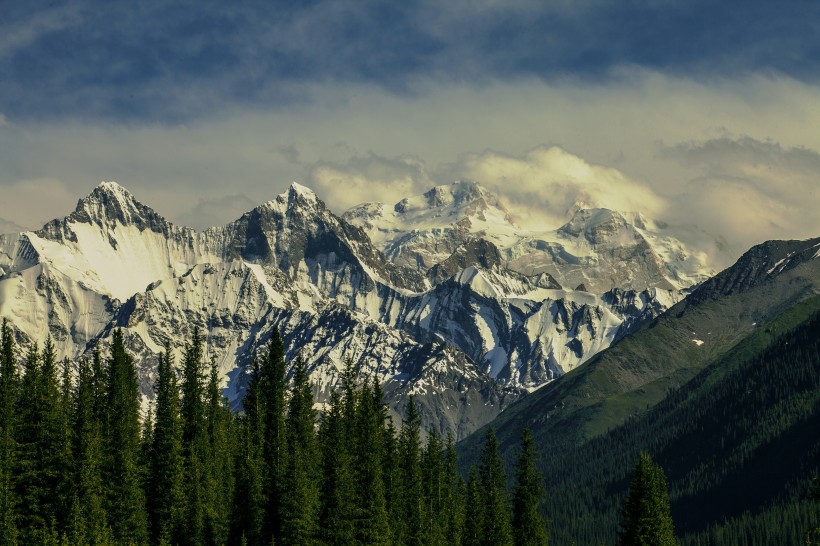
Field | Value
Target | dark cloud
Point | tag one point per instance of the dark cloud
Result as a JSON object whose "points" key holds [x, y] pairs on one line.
{"points": [[174, 61]]}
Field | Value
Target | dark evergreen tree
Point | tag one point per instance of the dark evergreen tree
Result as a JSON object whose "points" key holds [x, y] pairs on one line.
{"points": [[434, 491], [41, 439], [300, 493], [646, 516], [274, 451], [125, 505], [165, 491], [407, 509], [87, 519], [495, 517], [194, 441], [336, 517], [9, 390], [473, 510], [368, 447], [453, 503], [528, 526], [218, 461], [249, 504]]}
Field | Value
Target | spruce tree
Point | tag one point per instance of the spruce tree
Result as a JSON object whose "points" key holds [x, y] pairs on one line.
{"points": [[407, 512], [41, 439], [165, 486], [646, 516], [219, 481], [87, 520], [495, 518], [368, 447], [125, 498], [336, 517], [249, 494], [9, 389], [473, 510], [529, 528], [434, 491], [300, 494], [274, 451], [453, 503], [194, 441]]}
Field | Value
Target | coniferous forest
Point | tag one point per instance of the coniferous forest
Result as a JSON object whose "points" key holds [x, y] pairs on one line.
{"points": [[80, 465]]}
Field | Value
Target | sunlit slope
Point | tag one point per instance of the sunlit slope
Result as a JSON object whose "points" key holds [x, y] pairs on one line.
{"points": [[637, 373]]}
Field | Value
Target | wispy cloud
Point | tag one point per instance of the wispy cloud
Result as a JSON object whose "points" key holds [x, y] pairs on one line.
{"points": [[751, 189], [662, 145]]}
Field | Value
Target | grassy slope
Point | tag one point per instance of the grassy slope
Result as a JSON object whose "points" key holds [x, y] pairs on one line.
{"points": [[637, 373], [738, 443]]}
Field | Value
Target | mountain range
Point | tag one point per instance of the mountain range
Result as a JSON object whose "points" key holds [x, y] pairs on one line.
{"points": [[441, 295], [723, 390]]}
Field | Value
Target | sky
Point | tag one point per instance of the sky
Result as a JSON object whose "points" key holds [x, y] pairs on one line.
{"points": [[702, 114]]}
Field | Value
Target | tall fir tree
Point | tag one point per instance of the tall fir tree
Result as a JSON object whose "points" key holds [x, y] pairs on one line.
{"points": [[495, 519], [300, 493], [368, 447], [41, 438], [407, 510], [165, 491], [274, 450], [194, 441], [336, 517], [434, 491], [528, 526], [473, 510], [88, 522], [219, 482], [453, 509], [249, 494], [9, 390], [125, 498], [647, 520]]}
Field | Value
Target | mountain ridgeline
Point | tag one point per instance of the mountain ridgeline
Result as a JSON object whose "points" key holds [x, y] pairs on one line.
{"points": [[723, 391], [446, 299], [440, 300]]}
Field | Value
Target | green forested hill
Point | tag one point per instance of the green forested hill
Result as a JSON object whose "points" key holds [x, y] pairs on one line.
{"points": [[638, 372], [739, 444]]}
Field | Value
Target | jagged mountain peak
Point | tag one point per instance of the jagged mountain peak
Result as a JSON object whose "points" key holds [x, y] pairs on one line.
{"points": [[590, 221], [460, 200], [297, 189], [110, 203]]}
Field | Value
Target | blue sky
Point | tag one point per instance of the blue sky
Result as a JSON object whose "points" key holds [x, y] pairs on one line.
{"points": [[204, 108]]}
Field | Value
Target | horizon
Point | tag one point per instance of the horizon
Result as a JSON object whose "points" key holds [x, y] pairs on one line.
{"points": [[681, 111]]}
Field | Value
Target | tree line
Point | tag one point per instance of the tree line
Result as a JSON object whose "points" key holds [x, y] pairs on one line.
{"points": [[80, 465]]}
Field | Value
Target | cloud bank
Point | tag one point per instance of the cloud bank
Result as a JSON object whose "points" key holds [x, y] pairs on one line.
{"points": [[173, 62]]}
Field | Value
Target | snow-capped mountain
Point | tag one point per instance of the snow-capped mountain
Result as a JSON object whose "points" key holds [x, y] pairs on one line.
{"points": [[446, 310], [596, 250]]}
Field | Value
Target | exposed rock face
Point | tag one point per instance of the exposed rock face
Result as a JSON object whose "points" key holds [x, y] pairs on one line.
{"points": [[445, 312]]}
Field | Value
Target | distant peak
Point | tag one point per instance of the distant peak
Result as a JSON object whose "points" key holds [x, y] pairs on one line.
{"points": [[110, 202], [111, 186], [460, 191], [303, 191]]}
